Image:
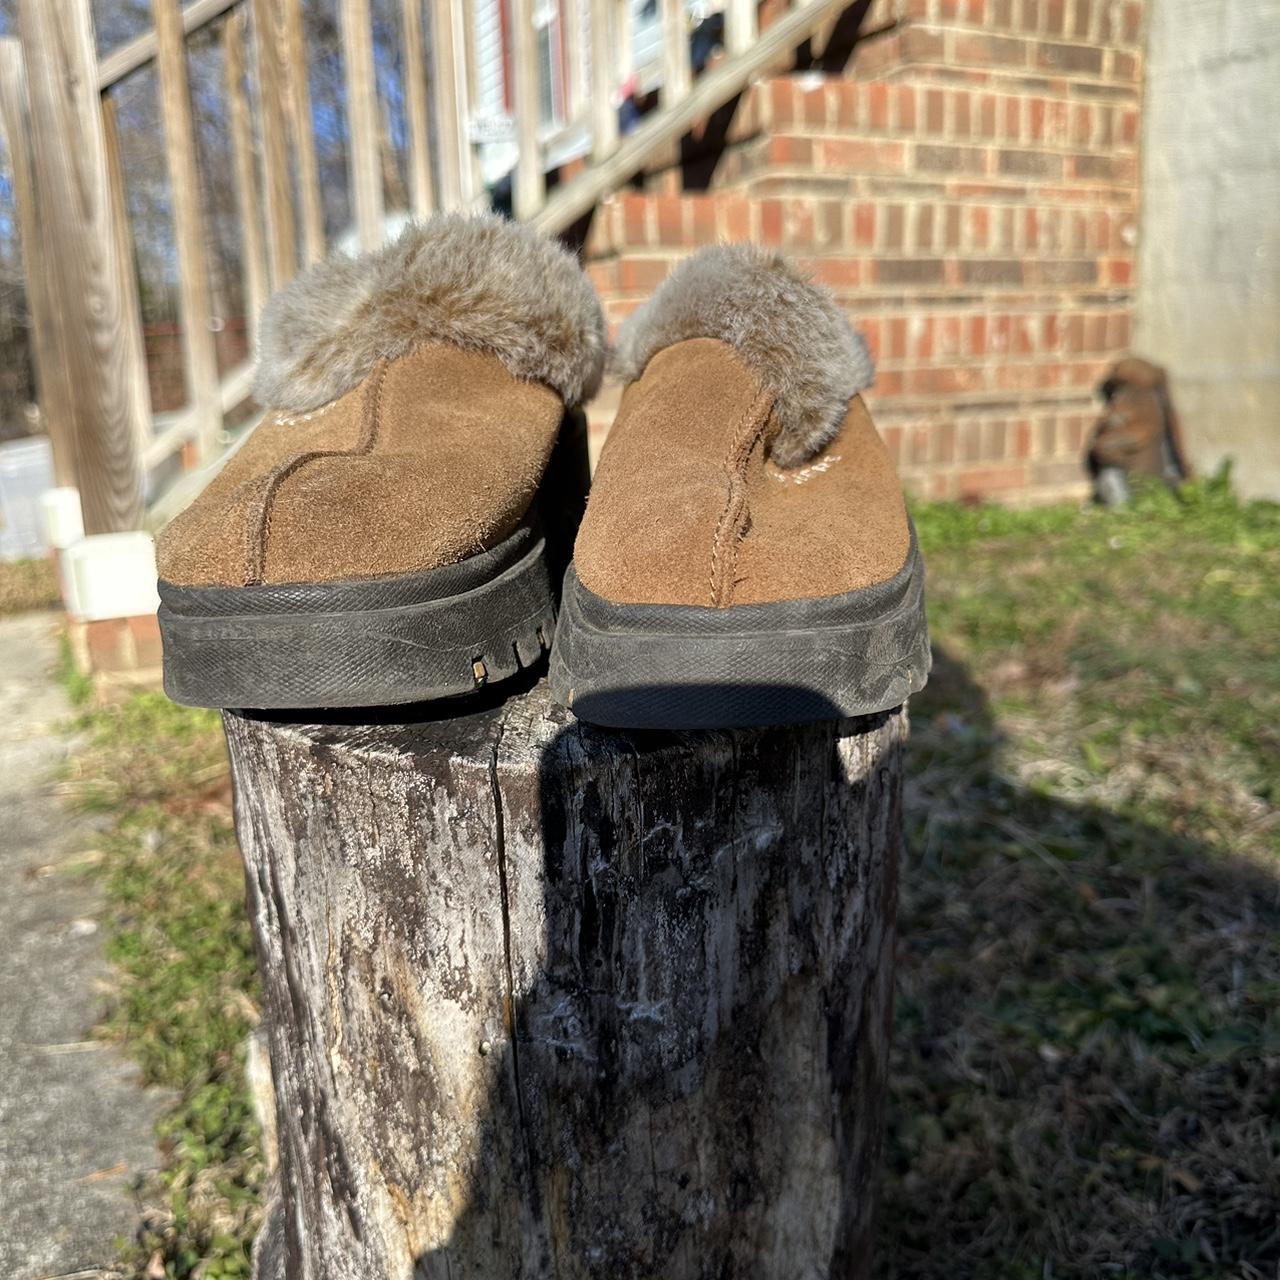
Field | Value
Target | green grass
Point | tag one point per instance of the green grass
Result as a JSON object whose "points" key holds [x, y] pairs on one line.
{"points": [[184, 958], [1086, 1074], [26, 585]]}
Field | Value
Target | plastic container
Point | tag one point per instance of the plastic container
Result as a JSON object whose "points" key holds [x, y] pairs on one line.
{"points": [[26, 471]]}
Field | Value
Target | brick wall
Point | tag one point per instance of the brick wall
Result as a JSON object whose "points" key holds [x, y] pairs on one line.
{"points": [[967, 186]]}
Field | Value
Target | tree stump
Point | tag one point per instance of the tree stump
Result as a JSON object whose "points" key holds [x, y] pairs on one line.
{"points": [[548, 1002]]}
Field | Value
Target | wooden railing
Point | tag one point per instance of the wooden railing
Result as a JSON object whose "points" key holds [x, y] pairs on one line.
{"points": [[58, 115]]}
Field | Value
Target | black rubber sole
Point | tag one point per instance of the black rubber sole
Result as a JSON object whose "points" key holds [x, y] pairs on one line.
{"points": [[362, 643], [685, 667], [378, 642]]}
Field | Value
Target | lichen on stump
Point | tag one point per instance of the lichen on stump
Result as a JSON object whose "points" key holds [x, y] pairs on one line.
{"points": [[549, 1002]]}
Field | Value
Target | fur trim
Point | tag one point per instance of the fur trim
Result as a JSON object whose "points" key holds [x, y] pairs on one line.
{"points": [[481, 283], [788, 331]]}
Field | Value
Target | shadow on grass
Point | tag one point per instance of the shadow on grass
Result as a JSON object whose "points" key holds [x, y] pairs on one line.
{"points": [[1086, 1067], [1085, 1076]]}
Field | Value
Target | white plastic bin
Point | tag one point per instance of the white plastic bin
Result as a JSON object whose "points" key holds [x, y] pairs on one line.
{"points": [[26, 471]]}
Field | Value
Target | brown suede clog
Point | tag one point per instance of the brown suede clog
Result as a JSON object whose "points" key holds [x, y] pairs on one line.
{"points": [[746, 555], [378, 538]]}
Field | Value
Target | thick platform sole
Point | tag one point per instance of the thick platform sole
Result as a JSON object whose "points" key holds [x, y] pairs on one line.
{"points": [[361, 643], [633, 666]]}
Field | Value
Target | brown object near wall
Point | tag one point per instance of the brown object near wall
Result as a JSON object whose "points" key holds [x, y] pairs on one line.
{"points": [[1138, 434]]}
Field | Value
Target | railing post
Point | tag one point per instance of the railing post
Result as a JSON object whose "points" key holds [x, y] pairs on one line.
{"points": [[129, 297], [604, 115], [52, 385], [677, 75], [304, 138], [239, 122], [452, 38], [362, 122], [109, 408], [530, 183], [573, 52], [199, 352], [741, 21], [281, 244], [421, 189]]}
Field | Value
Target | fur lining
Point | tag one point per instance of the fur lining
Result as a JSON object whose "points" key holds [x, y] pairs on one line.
{"points": [[789, 332], [481, 283]]}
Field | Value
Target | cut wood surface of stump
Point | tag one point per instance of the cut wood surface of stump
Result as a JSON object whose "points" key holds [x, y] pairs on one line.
{"points": [[549, 1002]]}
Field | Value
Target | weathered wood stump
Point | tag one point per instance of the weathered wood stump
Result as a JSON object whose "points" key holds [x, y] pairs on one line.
{"points": [[551, 1002]]}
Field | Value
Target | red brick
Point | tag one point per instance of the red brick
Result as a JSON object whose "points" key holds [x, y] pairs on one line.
{"points": [[635, 210], [846, 107], [1029, 164], [935, 110], [771, 221], [603, 276], [1007, 271], [1132, 22], [839, 273], [785, 150], [1083, 13], [145, 633], [1036, 112], [921, 332], [983, 482], [1012, 118], [894, 227], [897, 338], [924, 228], [813, 107], [859, 155], [973, 50], [979, 226], [987, 116], [1022, 440], [669, 214], [888, 384], [735, 219], [1081, 123], [1069, 59], [642, 275], [919, 45], [946, 381], [960, 114], [878, 105], [951, 238], [783, 100], [892, 437], [1117, 271], [704, 219], [906, 108], [977, 345], [864, 225]]}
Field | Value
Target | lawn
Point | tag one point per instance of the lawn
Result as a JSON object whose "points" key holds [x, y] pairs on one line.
{"points": [[1086, 1078]]}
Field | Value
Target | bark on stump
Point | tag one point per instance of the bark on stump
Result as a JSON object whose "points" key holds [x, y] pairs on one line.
{"points": [[547, 1002]]}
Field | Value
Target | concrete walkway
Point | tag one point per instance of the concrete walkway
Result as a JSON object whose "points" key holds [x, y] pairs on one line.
{"points": [[75, 1128]]}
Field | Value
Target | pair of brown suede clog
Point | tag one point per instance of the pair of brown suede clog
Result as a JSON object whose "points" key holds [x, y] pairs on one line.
{"points": [[397, 528]]}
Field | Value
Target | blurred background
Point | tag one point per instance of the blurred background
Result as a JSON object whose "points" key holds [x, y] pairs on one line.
{"points": [[1010, 197]]}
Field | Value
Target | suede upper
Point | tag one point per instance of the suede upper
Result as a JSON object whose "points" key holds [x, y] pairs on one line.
{"points": [[688, 506], [414, 397], [434, 457]]}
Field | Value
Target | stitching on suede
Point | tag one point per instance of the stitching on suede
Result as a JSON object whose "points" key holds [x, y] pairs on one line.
{"points": [[734, 516], [259, 526]]}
